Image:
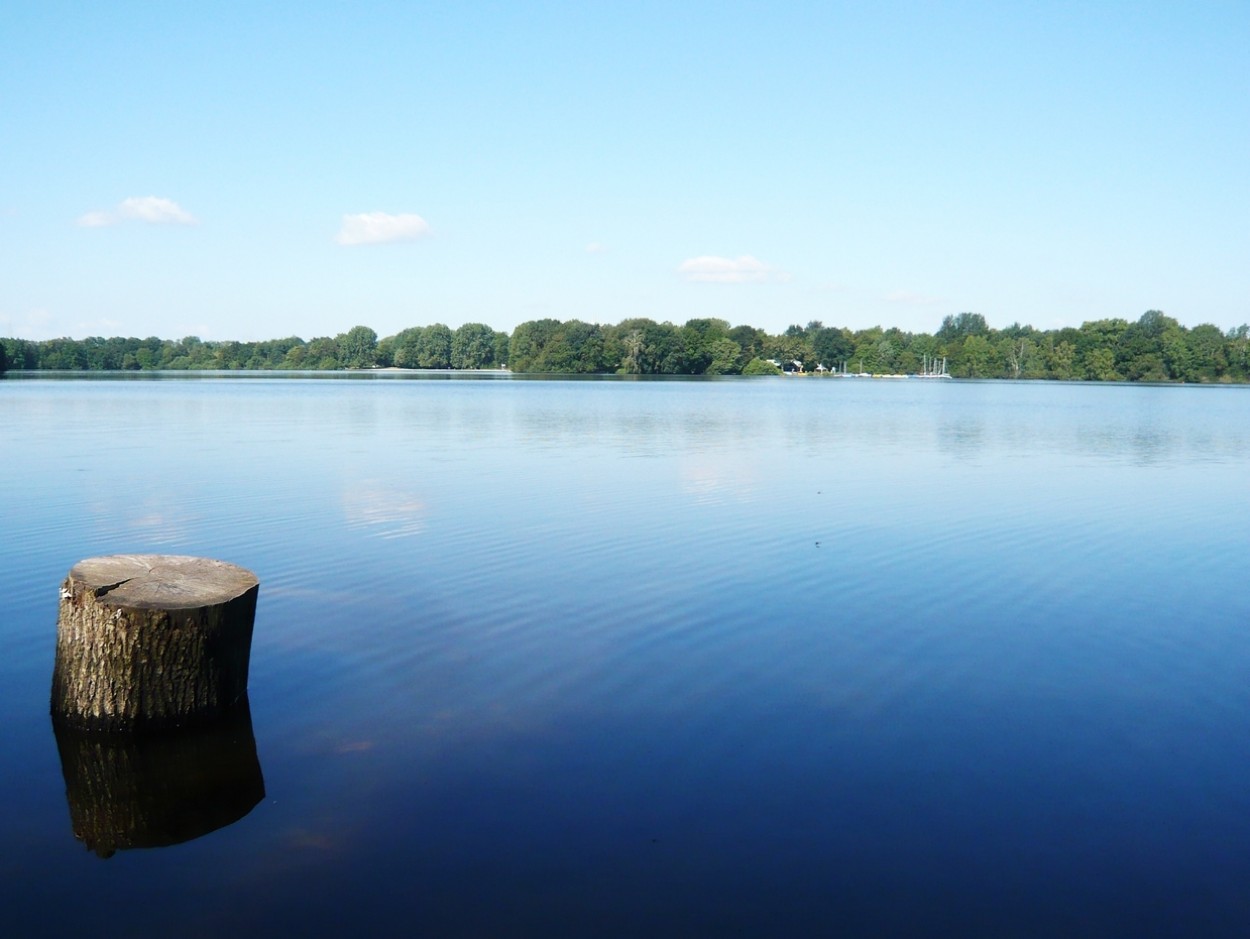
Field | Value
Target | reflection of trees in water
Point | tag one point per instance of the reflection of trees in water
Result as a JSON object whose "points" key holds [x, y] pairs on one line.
{"points": [[158, 789], [1140, 443]]}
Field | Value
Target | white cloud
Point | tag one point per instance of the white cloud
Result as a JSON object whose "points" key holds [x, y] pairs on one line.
{"points": [[741, 270], [151, 209], [375, 228], [95, 220], [595, 248], [155, 210]]}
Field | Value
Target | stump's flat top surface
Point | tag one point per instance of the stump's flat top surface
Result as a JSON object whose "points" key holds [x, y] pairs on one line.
{"points": [[162, 581]]}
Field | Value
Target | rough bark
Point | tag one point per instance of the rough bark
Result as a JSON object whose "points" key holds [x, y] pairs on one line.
{"points": [[149, 641]]}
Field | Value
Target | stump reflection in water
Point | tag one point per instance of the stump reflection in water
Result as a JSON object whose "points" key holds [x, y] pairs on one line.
{"points": [[152, 790]]}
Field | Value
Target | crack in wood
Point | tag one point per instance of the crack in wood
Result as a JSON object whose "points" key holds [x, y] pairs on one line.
{"points": [[102, 590]]}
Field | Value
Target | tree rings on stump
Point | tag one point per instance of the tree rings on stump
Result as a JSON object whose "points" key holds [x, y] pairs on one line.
{"points": [[151, 641]]}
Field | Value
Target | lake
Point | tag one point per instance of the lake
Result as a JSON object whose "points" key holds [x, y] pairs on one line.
{"points": [[607, 657]]}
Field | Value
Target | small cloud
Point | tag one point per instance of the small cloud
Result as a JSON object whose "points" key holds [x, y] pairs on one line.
{"points": [[375, 228], [595, 248], [155, 210], [742, 270], [151, 209], [910, 298], [95, 220]]}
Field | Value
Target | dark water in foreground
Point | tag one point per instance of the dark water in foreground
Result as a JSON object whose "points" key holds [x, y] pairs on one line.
{"points": [[656, 658]]}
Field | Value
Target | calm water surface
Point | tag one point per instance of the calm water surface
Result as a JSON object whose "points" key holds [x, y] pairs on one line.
{"points": [[662, 658]]}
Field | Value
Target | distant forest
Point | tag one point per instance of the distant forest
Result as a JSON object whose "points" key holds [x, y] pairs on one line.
{"points": [[1154, 348]]}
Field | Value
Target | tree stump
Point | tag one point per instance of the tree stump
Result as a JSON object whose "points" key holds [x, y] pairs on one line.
{"points": [[151, 641]]}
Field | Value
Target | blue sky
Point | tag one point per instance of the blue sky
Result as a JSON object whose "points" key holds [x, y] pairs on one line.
{"points": [[253, 171]]}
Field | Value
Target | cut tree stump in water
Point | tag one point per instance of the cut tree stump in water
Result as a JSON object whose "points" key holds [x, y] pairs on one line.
{"points": [[151, 641]]}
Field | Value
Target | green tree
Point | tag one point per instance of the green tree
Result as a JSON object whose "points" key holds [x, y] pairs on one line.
{"points": [[1139, 348], [698, 336], [760, 367], [323, 353], [832, 346], [647, 347], [1096, 344], [22, 355], [528, 342], [472, 346], [867, 348], [1017, 352], [894, 352], [385, 354], [296, 357], [963, 325], [1208, 350], [923, 351], [750, 340], [978, 359], [790, 347], [633, 347], [62, 354], [725, 354], [434, 347], [357, 348], [1060, 359], [193, 352], [574, 347], [502, 348], [1175, 358], [666, 350], [405, 347], [1100, 364], [1237, 353]]}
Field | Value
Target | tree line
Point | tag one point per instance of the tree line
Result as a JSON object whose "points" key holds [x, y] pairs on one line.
{"points": [[1155, 347]]}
